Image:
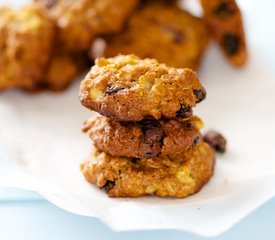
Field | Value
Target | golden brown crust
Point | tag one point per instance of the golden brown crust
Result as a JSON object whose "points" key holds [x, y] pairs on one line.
{"points": [[161, 176], [126, 88], [148, 138], [224, 20], [26, 42], [80, 21], [165, 32]]}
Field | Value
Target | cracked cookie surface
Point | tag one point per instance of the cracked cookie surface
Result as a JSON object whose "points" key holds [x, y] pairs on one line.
{"points": [[148, 138], [127, 88], [162, 176]]}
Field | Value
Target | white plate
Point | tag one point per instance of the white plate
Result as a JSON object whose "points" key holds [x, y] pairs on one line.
{"points": [[41, 146]]}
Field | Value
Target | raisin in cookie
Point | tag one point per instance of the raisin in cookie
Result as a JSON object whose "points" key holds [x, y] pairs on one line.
{"points": [[126, 88], [161, 176], [224, 20], [165, 32]]}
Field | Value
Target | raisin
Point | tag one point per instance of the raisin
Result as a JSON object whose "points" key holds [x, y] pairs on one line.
{"points": [[187, 124], [231, 43], [196, 140], [215, 140], [152, 139], [178, 37], [49, 3], [109, 185], [152, 133], [200, 94], [224, 10], [184, 112], [134, 160], [149, 123]]}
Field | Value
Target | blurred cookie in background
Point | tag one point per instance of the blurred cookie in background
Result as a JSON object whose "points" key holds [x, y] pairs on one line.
{"points": [[165, 32], [225, 24], [26, 44], [79, 22], [62, 70]]}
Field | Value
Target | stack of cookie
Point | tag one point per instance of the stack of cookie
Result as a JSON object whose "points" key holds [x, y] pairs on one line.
{"points": [[147, 142]]}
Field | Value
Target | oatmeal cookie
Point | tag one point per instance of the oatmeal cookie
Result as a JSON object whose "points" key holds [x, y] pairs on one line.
{"points": [[161, 176], [126, 88], [145, 139], [165, 32], [224, 20], [80, 21], [61, 71], [26, 42]]}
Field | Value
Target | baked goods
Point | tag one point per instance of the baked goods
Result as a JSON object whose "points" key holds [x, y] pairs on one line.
{"points": [[138, 152], [40, 44], [161, 176], [224, 20], [126, 88], [63, 68], [29, 58], [148, 138], [26, 41], [165, 32], [79, 22]]}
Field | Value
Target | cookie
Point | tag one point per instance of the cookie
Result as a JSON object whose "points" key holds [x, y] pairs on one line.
{"points": [[224, 20], [162, 176], [26, 41], [146, 139], [61, 71], [126, 88], [79, 22], [164, 32]]}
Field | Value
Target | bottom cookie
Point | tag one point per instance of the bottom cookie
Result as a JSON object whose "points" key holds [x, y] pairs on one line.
{"points": [[177, 176]]}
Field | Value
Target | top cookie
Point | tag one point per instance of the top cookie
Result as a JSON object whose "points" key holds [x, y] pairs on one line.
{"points": [[126, 88]]}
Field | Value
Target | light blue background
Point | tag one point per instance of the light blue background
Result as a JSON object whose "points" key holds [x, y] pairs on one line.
{"points": [[36, 219], [26, 215]]}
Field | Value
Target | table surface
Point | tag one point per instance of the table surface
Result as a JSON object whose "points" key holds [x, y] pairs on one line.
{"points": [[26, 215]]}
